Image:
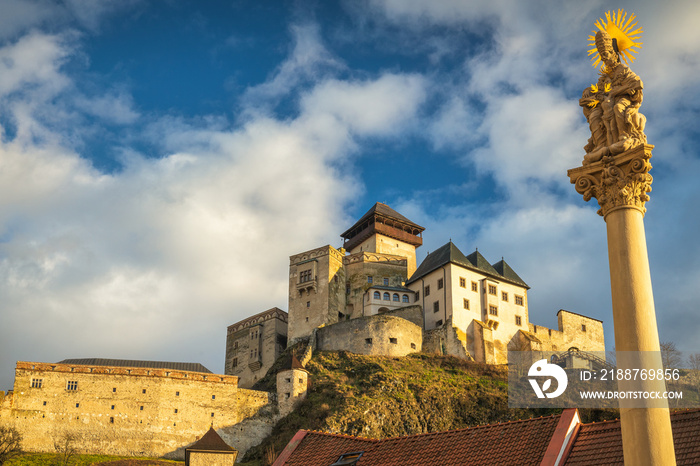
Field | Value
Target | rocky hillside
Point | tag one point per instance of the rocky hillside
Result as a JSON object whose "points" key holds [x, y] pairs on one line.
{"points": [[382, 397]]}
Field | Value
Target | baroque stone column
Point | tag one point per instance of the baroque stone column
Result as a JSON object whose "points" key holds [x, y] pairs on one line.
{"points": [[621, 184]]}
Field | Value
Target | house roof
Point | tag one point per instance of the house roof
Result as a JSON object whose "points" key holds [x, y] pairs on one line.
{"points": [[177, 366], [516, 442], [449, 253], [601, 442], [211, 441]]}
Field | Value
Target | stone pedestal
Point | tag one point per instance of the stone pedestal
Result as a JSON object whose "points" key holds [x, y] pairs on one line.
{"points": [[620, 184]]}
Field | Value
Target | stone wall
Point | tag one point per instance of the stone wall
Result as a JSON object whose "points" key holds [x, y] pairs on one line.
{"points": [[292, 385], [123, 411], [205, 458], [384, 335]]}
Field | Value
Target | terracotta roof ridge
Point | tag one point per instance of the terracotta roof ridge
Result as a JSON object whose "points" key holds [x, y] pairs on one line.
{"points": [[333, 434]]}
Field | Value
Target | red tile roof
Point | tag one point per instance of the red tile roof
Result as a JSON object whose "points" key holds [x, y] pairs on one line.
{"points": [[601, 442], [517, 442]]}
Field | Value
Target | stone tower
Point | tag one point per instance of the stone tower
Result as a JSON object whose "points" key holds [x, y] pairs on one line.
{"points": [[385, 231]]}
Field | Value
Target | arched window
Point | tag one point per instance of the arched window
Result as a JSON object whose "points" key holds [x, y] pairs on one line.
{"points": [[386, 297], [377, 295], [396, 297], [404, 298]]}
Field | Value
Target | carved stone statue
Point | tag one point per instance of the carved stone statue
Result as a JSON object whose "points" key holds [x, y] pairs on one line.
{"points": [[612, 106]]}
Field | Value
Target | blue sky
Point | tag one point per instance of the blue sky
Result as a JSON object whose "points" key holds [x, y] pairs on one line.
{"points": [[160, 161]]}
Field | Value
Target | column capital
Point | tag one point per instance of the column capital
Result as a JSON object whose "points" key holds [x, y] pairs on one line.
{"points": [[617, 182]]}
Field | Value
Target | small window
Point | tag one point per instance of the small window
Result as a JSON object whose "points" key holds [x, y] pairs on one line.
{"points": [[436, 306], [305, 276], [347, 289], [386, 297], [493, 290], [308, 303], [417, 295], [368, 341], [438, 323], [348, 459], [404, 298], [518, 300], [234, 363], [140, 408], [72, 385], [504, 296], [427, 291], [175, 410], [493, 310], [441, 283], [393, 341], [114, 390], [44, 403], [213, 397], [301, 380], [462, 282], [518, 321], [466, 304], [377, 295], [475, 286], [583, 327], [386, 282], [77, 405], [143, 391], [413, 346], [212, 414], [370, 279], [37, 383], [395, 297], [111, 420], [112, 406]]}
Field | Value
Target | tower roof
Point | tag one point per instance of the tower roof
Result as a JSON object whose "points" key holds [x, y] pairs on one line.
{"points": [[384, 220], [449, 253], [211, 441], [177, 366]]}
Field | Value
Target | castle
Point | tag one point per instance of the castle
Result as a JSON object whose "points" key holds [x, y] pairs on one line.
{"points": [[371, 297], [368, 297]]}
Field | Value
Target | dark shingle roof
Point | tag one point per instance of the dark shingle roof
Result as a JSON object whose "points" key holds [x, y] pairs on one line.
{"points": [[449, 253], [517, 442], [506, 271], [211, 441], [177, 366], [601, 442], [385, 211]]}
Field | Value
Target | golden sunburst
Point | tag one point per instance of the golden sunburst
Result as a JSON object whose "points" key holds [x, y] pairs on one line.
{"points": [[621, 28]]}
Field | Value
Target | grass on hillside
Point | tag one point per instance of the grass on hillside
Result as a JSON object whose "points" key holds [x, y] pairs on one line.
{"points": [[44, 459]]}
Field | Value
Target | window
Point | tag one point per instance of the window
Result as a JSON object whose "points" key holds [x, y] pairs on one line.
{"points": [[140, 408], [427, 291], [417, 295], [175, 410], [114, 390], [77, 405], [72, 385], [111, 420], [395, 297], [305, 276], [386, 282], [518, 300], [368, 341], [44, 403], [386, 297], [466, 304], [440, 283], [308, 303], [348, 459], [369, 279], [404, 298], [493, 290], [143, 391], [518, 321], [234, 363], [493, 310], [377, 295], [212, 414], [213, 397], [36, 383], [436, 306], [583, 327], [347, 289], [438, 323], [462, 282], [112, 406], [475, 286], [393, 341], [504, 296], [413, 346]]}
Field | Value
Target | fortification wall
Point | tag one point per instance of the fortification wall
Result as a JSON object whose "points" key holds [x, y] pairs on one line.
{"points": [[123, 411], [380, 335]]}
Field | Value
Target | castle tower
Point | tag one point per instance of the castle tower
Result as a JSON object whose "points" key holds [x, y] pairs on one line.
{"points": [[383, 230]]}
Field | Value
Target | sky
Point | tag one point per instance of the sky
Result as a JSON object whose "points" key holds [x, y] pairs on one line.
{"points": [[161, 160]]}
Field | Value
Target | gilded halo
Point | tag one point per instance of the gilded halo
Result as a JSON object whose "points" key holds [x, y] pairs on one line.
{"points": [[623, 30]]}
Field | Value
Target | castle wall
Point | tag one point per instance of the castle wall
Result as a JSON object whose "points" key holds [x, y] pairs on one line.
{"points": [[123, 411], [292, 386], [376, 335], [386, 245], [364, 270]]}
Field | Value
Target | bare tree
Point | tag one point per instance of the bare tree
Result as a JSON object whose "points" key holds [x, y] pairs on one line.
{"points": [[65, 449], [10, 443], [694, 366], [611, 357], [670, 356]]}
